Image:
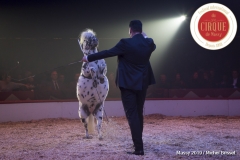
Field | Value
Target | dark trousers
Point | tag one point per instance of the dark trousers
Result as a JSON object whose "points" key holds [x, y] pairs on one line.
{"points": [[133, 102]]}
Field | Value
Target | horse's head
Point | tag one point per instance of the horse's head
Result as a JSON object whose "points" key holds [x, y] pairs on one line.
{"points": [[88, 42]]}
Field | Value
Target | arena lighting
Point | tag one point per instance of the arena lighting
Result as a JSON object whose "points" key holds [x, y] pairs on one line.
{"points": [[182, 18], [163, 31]]}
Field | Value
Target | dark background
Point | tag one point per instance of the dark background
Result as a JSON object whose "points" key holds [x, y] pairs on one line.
{"points": [[41, 35]]}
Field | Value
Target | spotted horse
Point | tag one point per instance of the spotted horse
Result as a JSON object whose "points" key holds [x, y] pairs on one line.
{"points": [[92, 86]]}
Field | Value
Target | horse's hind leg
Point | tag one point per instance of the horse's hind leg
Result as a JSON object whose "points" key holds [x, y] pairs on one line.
{"points": [[99, 117], [83, 115]]}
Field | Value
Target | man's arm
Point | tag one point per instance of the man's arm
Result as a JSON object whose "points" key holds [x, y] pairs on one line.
{"points": [[150, 41], [18, 86], [153, 46], [115, 51]]}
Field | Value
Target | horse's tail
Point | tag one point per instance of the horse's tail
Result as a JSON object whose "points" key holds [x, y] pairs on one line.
{"points": [[91, 124]]}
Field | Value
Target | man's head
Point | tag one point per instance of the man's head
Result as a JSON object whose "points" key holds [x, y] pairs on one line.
{"points": [[178, 76], [61, 78], [205, 75], [235, 74], [195, 75], [135, 26], [163, 78], [54, 75], [212, 72]]}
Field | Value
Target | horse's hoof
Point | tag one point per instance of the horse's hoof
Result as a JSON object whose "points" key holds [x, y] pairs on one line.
{"points": [[100, 137]]}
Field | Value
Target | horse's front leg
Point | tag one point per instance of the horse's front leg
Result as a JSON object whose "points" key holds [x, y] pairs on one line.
{"points": [[83, 114], [98, 114]]}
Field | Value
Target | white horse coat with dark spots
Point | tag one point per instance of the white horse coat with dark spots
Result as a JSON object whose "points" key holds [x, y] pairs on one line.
{"points": [[92, 86]]}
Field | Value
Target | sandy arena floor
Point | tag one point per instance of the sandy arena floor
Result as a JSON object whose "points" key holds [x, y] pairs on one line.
{"points": [[164, 138]]}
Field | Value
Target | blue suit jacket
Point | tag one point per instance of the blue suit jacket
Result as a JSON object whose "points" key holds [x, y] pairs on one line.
{"points": [[134, 69]]}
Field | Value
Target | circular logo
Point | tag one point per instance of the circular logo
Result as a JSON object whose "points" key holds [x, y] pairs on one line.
{"points": [[213, 26]]}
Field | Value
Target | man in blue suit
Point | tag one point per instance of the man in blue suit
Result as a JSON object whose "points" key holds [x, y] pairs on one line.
{"points": [[134, 74]]}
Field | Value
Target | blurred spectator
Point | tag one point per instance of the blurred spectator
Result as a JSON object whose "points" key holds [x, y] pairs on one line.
{"points": [[54, 84], [7, 86], [234, 81], [178, 82], [212, 78], [73, 84], [54, 88], [29, 81], [205, 83], [62, 82], [57, 88], [61, 79], [163, 83], [19, 76], [195, 82], [224, 82], [160, 89]]}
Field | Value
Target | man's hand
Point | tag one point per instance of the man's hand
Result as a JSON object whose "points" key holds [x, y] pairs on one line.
{"points": [[84, 59], [144, 34]]}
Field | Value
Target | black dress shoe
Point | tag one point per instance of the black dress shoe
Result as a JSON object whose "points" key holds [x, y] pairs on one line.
{"points": [[136, 152]]}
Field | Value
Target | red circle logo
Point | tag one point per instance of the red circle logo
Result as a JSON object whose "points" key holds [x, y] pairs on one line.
{"points": [[213, 26]]}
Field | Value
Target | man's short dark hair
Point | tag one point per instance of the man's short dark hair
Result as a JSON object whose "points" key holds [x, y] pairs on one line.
{"points": [[136, 26]]}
